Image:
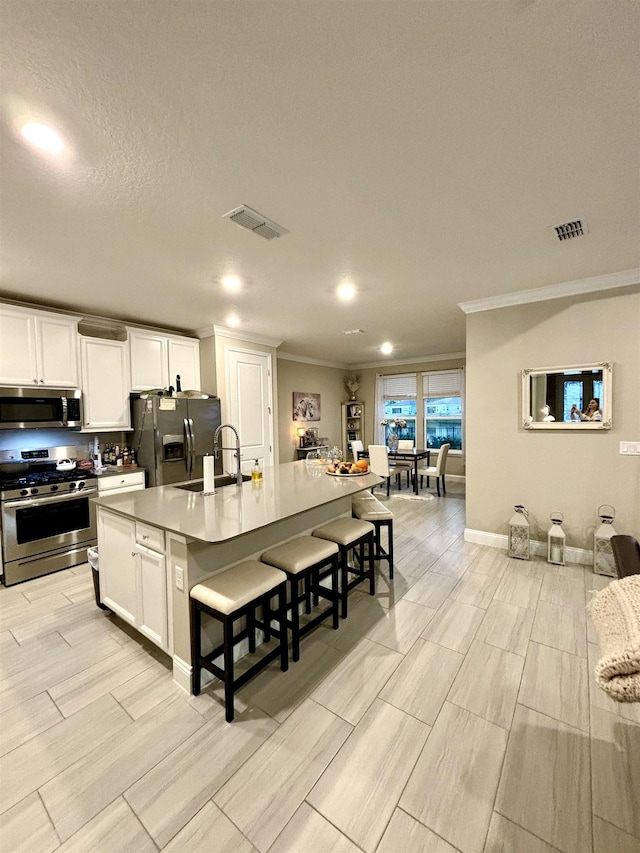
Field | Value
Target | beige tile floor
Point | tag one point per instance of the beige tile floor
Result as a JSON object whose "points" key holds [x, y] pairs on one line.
{"points": [[455, 711]]}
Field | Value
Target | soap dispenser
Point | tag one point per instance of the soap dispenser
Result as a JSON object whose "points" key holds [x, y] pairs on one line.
{"points": [[256, 472]]}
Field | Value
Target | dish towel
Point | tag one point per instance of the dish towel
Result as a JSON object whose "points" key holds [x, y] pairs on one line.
{"points": [[615, 611]]}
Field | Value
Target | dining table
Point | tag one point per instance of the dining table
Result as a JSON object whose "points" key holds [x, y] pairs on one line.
{"points": [[411, 454]]}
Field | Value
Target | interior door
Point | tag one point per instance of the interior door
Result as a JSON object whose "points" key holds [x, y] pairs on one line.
{"points": [[249, 394]]}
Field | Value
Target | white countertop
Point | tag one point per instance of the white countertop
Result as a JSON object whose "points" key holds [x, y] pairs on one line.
{"points": [[284, 491]]}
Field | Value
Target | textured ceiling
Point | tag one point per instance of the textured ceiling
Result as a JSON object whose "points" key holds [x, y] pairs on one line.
{"points": [[420, 149]]}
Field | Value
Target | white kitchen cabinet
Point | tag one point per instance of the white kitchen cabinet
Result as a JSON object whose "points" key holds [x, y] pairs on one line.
{"points": [[133, 576], [38, 348], [156, 359], [184, 361], [105, 384], [129, 481]]}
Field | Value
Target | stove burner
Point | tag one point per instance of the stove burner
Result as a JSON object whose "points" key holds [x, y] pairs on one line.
{"points": [[45, 478]]}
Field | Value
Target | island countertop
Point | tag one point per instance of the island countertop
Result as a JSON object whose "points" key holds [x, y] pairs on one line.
{"points": [[285, 491]]}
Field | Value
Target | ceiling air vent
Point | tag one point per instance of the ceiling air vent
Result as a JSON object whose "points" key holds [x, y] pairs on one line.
{"points": [[250, 219], [354, 332], [570, 230]]}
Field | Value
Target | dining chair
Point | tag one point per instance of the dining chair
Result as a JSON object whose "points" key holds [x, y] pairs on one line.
{"points": [[437, 470], [379, 463], [356, 447], [400, 465]]}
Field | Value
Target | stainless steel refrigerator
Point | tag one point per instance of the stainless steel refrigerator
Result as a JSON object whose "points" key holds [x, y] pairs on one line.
{"points": [[172, 434]]}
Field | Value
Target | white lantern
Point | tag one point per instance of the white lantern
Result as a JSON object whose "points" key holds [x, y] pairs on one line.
{"points": [[556, 540], [519, 534], [603, 560]]}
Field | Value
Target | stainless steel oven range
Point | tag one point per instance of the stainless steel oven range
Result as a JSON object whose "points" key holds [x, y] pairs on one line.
{"points": [[47, 516]]}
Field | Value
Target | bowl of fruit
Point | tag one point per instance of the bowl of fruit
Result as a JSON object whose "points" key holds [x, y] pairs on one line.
{"points": [[348, 469]]}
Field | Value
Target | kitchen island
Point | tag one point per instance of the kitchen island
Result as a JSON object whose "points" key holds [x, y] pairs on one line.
{"points": [[156, 544]]}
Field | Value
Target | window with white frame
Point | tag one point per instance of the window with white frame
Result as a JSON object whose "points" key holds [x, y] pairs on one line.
{"points": [[397, 406], [443, 398]]}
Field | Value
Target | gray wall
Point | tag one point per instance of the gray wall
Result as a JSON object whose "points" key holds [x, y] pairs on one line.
{"points": [[573, 472], [326, 381]]}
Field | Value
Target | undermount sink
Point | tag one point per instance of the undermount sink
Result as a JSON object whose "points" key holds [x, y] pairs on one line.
{"points": [[220, 480]]}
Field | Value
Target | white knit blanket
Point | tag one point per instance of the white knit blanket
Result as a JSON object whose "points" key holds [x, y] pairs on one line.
{"points": [[615, 611]]}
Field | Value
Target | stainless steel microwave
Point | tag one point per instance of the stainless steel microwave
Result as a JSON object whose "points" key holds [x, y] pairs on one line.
{"points": [[30, 408]]}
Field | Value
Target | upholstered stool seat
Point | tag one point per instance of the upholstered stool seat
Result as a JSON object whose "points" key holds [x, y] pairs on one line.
{"points": [[228, 596], [368, 508], [306, 561], [351, 534]]}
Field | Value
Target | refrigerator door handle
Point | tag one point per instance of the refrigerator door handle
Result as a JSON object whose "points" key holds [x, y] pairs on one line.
{"points": [[188, 456], [192, 454]]}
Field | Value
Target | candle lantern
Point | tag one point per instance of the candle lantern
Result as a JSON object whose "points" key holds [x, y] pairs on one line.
{"points": [[556, 540], [519, 542], [603, 561]]}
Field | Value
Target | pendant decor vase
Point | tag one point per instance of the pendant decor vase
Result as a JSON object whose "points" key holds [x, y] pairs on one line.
{"points": [[392, 442]]}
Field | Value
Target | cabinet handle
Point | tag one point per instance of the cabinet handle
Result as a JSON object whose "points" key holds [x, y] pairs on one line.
{"points": [[36, 381], [146, 536], [42, 381], [134, 553]]}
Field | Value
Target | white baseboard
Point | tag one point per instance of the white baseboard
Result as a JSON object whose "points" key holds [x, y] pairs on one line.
{"points": [[538, 549], [182, 674]]}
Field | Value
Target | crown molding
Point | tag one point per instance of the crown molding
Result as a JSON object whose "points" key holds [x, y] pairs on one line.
{"points": [[289, 356], [626, 278], [238, 335], [445, 356]]}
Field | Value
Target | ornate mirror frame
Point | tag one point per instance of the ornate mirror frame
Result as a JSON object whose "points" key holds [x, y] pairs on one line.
{"points": [[535, 379]]}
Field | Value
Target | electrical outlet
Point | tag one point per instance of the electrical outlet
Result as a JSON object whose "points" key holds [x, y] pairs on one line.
{"points": [[179, 577], [624, 447]]}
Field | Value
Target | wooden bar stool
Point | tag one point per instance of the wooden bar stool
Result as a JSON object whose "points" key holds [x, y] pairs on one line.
{"points": [[368, 508], [351, 534], [228, 596], [303, 561]]}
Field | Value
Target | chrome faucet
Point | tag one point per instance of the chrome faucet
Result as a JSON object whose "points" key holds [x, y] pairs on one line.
{"points": [[238, 474]]}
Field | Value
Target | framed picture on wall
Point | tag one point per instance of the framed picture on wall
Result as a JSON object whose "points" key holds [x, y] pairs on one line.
{"points": [[306, 406]]}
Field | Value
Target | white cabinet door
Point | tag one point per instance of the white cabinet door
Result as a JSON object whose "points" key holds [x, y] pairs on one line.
{"points": [[117, 553], [18, 360], [149, 360], [152, 601], [57, 347], [105, 384], [38, 348], [184, 361]]}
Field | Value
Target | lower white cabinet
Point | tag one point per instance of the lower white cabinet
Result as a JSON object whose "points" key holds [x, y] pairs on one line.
{"points": [[133, 576], [115, 484]]}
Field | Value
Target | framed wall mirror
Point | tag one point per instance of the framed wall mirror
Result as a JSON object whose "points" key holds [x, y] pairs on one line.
{"points": [[573, 396]]}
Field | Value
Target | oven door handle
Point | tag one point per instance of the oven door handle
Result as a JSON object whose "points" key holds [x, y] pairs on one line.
{"points": [[67, 496]]}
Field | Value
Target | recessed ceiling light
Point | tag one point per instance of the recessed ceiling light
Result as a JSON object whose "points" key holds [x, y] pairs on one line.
{"points": [[233, 320], [345, 291], [231, 282], [41, 136], [386, 348]]}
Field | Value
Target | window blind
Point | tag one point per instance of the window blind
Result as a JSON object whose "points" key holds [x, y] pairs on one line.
{"points": [[399, 386], [442, 383]]}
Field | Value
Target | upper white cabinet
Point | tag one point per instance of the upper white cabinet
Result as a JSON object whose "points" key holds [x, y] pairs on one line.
{"points": [[184, 361], [156, 359], [105, 384], [38, 348]]}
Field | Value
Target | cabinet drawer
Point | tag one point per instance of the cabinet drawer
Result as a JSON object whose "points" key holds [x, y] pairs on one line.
{"points": [[133, 480], [150, 537]]}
